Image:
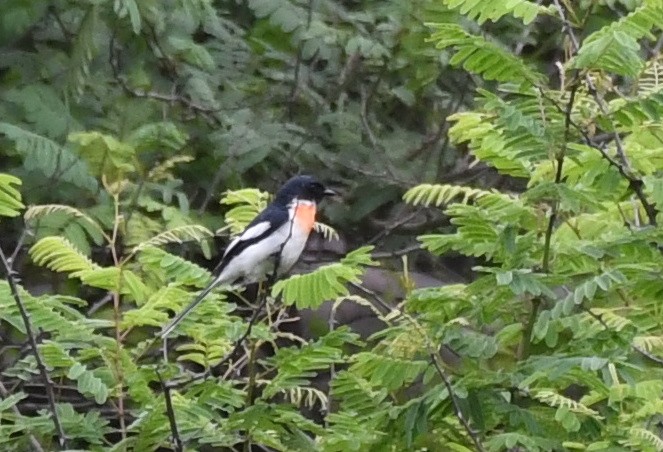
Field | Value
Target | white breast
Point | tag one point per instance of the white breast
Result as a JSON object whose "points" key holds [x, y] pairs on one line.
{"points": [[256, 262]]}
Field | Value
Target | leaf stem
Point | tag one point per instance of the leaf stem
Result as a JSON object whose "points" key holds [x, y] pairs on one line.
{"points": [[117, 318]]}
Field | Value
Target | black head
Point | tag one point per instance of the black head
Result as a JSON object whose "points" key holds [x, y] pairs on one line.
{"points": [[302, 187]]}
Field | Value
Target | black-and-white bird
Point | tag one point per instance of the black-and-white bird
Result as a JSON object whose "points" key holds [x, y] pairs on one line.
{"points": [[276, 236]]}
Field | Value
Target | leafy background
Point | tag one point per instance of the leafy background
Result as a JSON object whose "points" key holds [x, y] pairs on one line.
{"points": [[499, 163]]}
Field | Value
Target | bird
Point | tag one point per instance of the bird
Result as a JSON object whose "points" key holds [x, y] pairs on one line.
{"points": [[275, 238]]}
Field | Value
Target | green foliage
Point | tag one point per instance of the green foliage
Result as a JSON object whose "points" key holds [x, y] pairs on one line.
{"points": [[477, 55], [325, 283], [483, 11], [124, 122], [10, 197]]}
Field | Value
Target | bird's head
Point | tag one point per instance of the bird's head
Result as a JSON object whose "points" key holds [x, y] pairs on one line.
{"points": [[303, 188]]}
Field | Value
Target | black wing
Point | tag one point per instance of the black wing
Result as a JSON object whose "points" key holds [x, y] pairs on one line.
{"points": [[273, 216]]}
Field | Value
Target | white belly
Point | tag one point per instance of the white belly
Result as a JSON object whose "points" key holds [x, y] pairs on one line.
{"points": [[256, 263]]}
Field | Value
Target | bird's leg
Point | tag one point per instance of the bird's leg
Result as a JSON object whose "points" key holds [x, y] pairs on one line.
{"points": [[277, 262]]}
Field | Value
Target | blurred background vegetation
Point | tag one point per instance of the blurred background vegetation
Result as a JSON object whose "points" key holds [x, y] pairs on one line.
{"points": [[175, 102], [229, 94]]}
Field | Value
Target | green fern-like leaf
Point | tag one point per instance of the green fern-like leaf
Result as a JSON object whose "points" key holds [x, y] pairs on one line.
{"points": [[10, 197], [649, 343], [494, 10], [57, 254], [124, 8], [614, 48], [179, 234], [644, 109], [643, 437], [612, 51], [430, 194], [49, 158], [166, 268], [325, 283], [327, 231], [297, 366], [637, 24], [247, 203], [36, 212], [388, 372], [550, 397], [154, 312], [159, 134], [88, 383], [487, 143], [104, 154], [651, 78], [477, 55]]}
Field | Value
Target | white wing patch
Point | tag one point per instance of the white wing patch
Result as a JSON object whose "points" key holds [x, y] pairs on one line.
{"points": [[248, 234]]}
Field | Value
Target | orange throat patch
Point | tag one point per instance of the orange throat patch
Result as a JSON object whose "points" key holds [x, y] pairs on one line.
{"points": [[305, 216]]}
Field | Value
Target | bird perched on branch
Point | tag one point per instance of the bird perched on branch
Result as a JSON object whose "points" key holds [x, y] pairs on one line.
{"points": [[271, 244]]}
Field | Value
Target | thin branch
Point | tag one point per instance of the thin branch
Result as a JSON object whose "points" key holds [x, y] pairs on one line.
{"points": [[170, 412], [545, 262], [48, 384], [618, 338], [68, 36], [19, 244], [454, 401], [396, 253], [388, 229], [117, 316], [250, 387]]}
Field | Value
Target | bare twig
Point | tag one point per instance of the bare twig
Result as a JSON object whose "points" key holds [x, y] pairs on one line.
{"points": [[170, 412], [396, 253], [69, 36], [211, 190], [48, 383], [391, 227], [452, 396], [19, 244]]}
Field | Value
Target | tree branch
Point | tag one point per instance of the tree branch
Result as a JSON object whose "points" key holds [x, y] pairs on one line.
{"points": [[545, 262], [454, 402], [48, 384], [624, 166], [170, 412]]}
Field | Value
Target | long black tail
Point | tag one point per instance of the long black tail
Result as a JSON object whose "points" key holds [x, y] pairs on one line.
{"points": [[176, 321]]}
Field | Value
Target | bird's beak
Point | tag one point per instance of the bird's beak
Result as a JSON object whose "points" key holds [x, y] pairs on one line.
{"points": [[330, 192]]}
